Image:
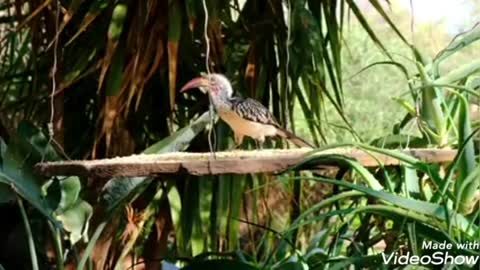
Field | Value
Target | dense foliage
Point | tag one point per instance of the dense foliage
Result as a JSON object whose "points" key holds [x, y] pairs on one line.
{"points": [[82, 79]]}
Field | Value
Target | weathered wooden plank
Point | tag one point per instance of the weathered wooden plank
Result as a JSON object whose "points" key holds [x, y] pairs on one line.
{"points": [[234, 162]]}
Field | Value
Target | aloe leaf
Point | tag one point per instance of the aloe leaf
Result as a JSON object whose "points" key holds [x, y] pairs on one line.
{"points": [[459, 73], [119, 189], [431, 111], [399, 141], [341, 161], [424, 210], [457, 45]]}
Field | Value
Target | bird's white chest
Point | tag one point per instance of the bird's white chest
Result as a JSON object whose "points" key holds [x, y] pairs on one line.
{"points": [[245, 127]]}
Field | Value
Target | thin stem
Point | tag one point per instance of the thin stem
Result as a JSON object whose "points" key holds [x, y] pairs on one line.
{"points": [[57, 241], [28, 230]]}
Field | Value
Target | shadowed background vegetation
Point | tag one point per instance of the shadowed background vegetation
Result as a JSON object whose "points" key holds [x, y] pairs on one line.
{"points": [[85, 79]]}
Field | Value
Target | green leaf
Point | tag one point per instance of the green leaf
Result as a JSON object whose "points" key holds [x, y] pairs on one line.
{"points": [[117, 190], [115, 73], [70, 188], [292, 266], [181, 139], [363, 21], [459, 73], [6, 194], [30, 143], [80, 63], [29, 234], [75, 220], [466, 191], [340, 161], [118, 19], [457, 45], [62, 193], [399, 141], [411, 205], [27, 147], [384, 15], [360, 261], [175, 22], [235, 207], [412, 182], [176, 211], [22, 181]]}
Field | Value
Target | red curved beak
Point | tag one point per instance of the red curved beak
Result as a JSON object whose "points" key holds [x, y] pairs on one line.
{"points": [[195, 83]]}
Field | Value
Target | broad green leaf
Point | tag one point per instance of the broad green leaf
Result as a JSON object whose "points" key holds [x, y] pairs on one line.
{"points": [[70, 191], [76, 219], [62, 193], [6, 194], [26, 148], [20, 178]]}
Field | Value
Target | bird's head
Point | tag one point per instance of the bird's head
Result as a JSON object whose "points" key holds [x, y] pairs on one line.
{"points": [[215, 84]]}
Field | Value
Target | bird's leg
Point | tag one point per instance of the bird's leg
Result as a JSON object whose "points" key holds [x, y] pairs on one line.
{"points": [[259, 143], [238, 141]]}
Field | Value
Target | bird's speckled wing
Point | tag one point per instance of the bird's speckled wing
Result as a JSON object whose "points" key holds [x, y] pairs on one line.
{"points": [[252, 110]]}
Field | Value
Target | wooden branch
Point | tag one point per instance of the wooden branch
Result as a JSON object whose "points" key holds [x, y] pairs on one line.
{"points": [[234, 162]]}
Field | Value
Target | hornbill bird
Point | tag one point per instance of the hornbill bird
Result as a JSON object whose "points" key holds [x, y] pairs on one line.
{"points": [[246, 117]]}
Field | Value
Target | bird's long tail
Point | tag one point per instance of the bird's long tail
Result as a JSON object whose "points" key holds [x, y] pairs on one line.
{"points": [[293, 138]]}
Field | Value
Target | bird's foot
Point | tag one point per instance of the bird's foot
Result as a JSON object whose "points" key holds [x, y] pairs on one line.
{"points": [[235, 147], [259, 145]]}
